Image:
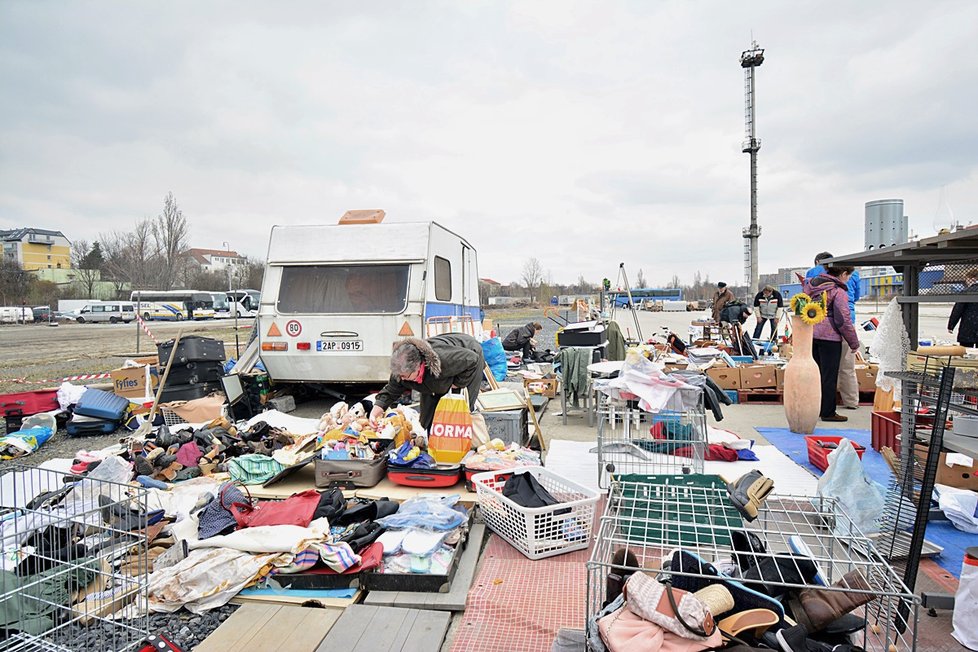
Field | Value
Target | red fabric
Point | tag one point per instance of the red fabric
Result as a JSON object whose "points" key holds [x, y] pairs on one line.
{"points": [[713, 453], [297, 509]]}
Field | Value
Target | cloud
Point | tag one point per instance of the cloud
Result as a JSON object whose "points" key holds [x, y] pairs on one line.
{"points": [[584, 135]]}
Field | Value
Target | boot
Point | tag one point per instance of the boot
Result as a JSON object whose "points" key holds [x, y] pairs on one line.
{"points": [[817, 608], [615, 581], [778, 571], [748, 492]]}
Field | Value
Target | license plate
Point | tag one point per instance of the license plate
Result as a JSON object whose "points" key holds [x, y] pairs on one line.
{"points": [[331, 346]]}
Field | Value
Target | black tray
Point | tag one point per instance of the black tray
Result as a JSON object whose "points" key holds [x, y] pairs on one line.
{"points": [[419, 582]]}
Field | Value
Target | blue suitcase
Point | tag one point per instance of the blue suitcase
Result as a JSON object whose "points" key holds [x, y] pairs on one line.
{"points": [[79, 426], [102, 405]]}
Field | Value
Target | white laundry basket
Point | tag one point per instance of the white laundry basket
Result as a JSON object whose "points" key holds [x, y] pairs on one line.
{"points": [[538, 532]]}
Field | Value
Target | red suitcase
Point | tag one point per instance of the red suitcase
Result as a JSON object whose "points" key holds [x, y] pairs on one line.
{"points": [[443, 475], [24, 404]]}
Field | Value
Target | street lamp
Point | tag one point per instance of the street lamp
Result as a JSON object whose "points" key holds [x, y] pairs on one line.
{"points": [[233, 304], [227, 263]]}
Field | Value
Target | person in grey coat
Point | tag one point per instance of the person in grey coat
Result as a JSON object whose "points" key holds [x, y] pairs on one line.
{"points": [[432, 367], [523, 339]]}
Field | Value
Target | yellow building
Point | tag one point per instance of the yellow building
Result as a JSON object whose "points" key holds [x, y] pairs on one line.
{"points": [[34, 249]]}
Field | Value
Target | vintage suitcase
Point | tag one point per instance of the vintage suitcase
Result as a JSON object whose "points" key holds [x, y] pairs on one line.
{"points": [[24, 404], [80, 425], [348, 474], [102, 405], [188, 392], [194, 373], [443, 475], [193, 348]]}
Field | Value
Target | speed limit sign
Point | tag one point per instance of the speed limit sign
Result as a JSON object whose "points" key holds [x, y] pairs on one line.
{"points": [[293, 328]]}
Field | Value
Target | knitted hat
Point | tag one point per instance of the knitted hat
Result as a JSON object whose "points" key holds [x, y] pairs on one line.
{"points": [[717, 599]]}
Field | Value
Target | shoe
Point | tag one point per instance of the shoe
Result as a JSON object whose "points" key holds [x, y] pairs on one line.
{"points": [[748, 492], [818, 608], [795, 639], [837, 418], [747, 546], [852, 407], [754, 621], [779, 571]]}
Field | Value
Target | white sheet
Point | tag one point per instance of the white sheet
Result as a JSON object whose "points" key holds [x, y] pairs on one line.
{"points": [[294, 425]]}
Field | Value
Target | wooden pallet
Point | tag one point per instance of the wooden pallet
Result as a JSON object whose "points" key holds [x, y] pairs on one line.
{"points": [[769, 396]]}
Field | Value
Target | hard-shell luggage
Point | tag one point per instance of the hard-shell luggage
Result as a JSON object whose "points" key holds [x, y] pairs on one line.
{"points": [[102, 405], [443, 475], [352, 473], [193, 348], [194, 373], [24, 404], [188, 392], [80, 425]]}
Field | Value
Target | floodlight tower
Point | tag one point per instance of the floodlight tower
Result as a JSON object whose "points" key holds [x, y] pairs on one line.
{"points": [[750, 59]]}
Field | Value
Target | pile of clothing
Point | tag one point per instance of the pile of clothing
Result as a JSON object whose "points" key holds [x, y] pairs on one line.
{"points": [[422, 536]]}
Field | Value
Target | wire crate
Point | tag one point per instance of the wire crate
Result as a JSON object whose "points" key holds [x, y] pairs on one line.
{"points": [[784, 524], [171, 418], [631, 441], [75, 554], [538, 532]]}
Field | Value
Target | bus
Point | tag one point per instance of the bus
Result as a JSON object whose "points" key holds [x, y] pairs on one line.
{"points": [[192, 303], [161, 311], [641, 295], [245, 302], [222, 307]]}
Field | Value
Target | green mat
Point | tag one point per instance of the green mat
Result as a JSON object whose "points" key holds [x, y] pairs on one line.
{"points": [[670, 510]]}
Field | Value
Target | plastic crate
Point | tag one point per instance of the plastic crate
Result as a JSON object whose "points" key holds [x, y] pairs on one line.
{"points": [[819, 456], [538, 532], [886, 431], [508, 425]]}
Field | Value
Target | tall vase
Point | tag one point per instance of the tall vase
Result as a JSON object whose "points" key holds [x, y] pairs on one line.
{"points": [[802, 383]]}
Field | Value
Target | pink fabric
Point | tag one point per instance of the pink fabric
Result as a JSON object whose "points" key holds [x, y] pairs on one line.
{"points": [[189, 454], [623, 631]]}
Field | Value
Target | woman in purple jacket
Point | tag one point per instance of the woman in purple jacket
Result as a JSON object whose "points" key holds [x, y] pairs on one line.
{"points": [[832, 333]]}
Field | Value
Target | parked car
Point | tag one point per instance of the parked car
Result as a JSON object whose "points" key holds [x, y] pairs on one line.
{"points": [[41, 313]]}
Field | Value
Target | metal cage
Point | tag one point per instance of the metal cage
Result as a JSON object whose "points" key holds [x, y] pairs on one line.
{"points": [[75, 558], [785, 524]]}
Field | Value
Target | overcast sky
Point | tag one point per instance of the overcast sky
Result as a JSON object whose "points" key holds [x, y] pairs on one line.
{"points": [[584, 134]]}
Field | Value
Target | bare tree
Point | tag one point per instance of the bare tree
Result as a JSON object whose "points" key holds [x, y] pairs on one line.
{"points": [[130, 258], [640, 281], [170, 235], [532, 276], [15, 283], [675, 282]]}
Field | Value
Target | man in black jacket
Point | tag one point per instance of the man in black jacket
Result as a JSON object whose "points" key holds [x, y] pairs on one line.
{"points": [[965, 315], [432, 367], [523, 338]]}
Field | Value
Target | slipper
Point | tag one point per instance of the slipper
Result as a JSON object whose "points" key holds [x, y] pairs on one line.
{"points": [[744, 598], [756, 621]]}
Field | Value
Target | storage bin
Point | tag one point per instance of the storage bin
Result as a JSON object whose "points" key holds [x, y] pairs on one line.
{"points": [[538, 532], [508, 425], [819, 455], [885, 431]]}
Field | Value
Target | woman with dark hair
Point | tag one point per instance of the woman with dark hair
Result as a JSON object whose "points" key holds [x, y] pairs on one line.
{"points": [[832, 333], [432, 367]]}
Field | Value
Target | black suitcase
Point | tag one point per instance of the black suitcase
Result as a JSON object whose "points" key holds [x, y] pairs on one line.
{"points": [[188, 392], [193, 348], [194, 373], [79, 425]]}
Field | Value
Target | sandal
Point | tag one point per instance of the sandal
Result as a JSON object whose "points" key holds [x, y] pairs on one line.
{"points": [[754, 621]]}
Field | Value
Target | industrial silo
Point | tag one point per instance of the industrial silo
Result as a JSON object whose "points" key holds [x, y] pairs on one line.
{"points": [[886, 225]]}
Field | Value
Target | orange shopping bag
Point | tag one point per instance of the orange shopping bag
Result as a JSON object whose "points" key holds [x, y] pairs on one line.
{"points": [[450, 437]]}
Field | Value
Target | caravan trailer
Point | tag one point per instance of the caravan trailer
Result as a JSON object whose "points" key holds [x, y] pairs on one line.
{"points": [[336, 298]]}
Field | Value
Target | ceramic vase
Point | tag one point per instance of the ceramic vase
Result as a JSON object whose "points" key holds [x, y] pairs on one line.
{"points": [[802, 383]]}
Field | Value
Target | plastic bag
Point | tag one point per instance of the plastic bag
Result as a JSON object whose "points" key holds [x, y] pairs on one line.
{"points": [[964, 621], [34, 431], [450, 438], [960, 506], [428, 512], [492, 351], [859, 497]]}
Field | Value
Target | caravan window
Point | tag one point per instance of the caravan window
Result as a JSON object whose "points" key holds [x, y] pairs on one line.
{"points": [[443, 279], [334, 289]]}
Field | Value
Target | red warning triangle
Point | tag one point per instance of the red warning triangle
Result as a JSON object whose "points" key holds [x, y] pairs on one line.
{"points": [[406, 330], [274, 331]]}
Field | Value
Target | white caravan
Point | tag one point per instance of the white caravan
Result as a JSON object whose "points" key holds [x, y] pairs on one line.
{"points": [[336, 298]]}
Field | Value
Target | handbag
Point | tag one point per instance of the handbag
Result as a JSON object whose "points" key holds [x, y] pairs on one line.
{"points": [[297, 509], [678, 611], [216, 517]]}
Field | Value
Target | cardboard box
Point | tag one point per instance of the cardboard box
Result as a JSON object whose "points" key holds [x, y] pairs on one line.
{"points": [[758, 377], [134, 382], [725, 377], [866, 377], [960, 477], [543, 386]]}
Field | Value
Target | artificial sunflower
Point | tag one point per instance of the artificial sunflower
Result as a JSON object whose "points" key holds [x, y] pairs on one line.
{"points": [[813, 313], [800, 298]]}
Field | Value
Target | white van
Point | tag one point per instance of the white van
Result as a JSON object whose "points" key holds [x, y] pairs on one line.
{"points": [[16, 315], [111, 312], [335, 298]]}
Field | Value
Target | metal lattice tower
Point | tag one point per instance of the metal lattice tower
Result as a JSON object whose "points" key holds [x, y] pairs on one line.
{"points": [[749, 60]]}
